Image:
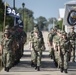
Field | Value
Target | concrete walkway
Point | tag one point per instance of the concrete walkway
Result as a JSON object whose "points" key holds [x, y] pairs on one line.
{"points": [[47, 64]]}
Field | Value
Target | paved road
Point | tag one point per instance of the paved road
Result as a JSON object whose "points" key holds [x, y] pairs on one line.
{"points": [[47, 64]]}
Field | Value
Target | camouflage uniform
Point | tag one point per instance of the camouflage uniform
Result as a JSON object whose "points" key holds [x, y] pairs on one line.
{"points": [[55, 47], [64, 48], [23, 40], [32, 49], [20, 37], [7, 27], [17, 53], [38, 47], [7, 52], [15, 44], [72, 38], [50, 39]]}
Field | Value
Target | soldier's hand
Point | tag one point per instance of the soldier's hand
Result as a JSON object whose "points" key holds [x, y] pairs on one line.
{"points": [[0, 49]]}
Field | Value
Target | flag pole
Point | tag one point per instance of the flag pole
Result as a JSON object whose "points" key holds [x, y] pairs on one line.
{"points": [[4, 16], [14, 9]]}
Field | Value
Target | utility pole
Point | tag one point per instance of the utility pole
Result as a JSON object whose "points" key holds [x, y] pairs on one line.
{"points": [[14, 4], [4, 16], [14, 9], [23, 5]]}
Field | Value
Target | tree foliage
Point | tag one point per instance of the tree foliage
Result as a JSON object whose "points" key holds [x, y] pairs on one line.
{"points": [[28, 18], [1, 14], [52, 20], [1, 11], [60, 23], [8, 19], [42, 22]]}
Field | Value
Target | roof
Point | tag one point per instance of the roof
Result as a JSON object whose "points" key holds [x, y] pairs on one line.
{"points": [[73, 2]]}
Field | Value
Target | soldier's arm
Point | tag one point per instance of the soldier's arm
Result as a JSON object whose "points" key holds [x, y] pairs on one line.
{"points": [[48, 40], [31, 40], [68, 36], [0, 49], [1, 46]]}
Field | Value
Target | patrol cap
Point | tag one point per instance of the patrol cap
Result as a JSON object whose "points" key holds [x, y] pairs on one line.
{"points": [[55, 29], [62, 31], [35, 29], [36, 26], [57, 26], [7, 27], [6, 32], [58, 31]]}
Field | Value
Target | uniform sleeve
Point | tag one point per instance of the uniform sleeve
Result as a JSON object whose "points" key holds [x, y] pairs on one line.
{"points": [[68, 36], [31, 36], [41, 38], [1, 42], [59, 42]]}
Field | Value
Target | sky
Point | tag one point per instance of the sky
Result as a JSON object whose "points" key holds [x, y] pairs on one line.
{"points": [[45, 8]]}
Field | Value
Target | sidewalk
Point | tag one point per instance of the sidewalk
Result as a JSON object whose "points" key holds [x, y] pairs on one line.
{"points": [[47, 65]]}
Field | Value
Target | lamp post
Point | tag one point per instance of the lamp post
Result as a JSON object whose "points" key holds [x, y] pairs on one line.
{"points": [[14, 9], [14, 4], [23, 5]]}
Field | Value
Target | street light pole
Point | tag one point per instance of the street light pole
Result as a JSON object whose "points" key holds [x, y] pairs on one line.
{"points": [[14, 9], [23, 5], [14, 4]]}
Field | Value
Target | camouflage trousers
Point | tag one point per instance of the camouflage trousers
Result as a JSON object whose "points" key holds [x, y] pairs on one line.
{"points": [[63, 60], [51, 52], [73, 53], [38, 55], [33, 55], [7, 59], [56, 56]]}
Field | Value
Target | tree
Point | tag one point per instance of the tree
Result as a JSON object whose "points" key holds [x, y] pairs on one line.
{"points": [[27, 12], [28, 18], [42, 22], [30, 24], [1, 14], [60, 22], [8, 20], [52, 20]]}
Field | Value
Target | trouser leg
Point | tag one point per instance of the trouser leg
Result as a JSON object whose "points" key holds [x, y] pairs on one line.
{"points": [[33, 55], [73, 54]]}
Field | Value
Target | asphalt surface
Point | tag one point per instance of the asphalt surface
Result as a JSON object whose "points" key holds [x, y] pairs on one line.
{"points": [[47, 64]]}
